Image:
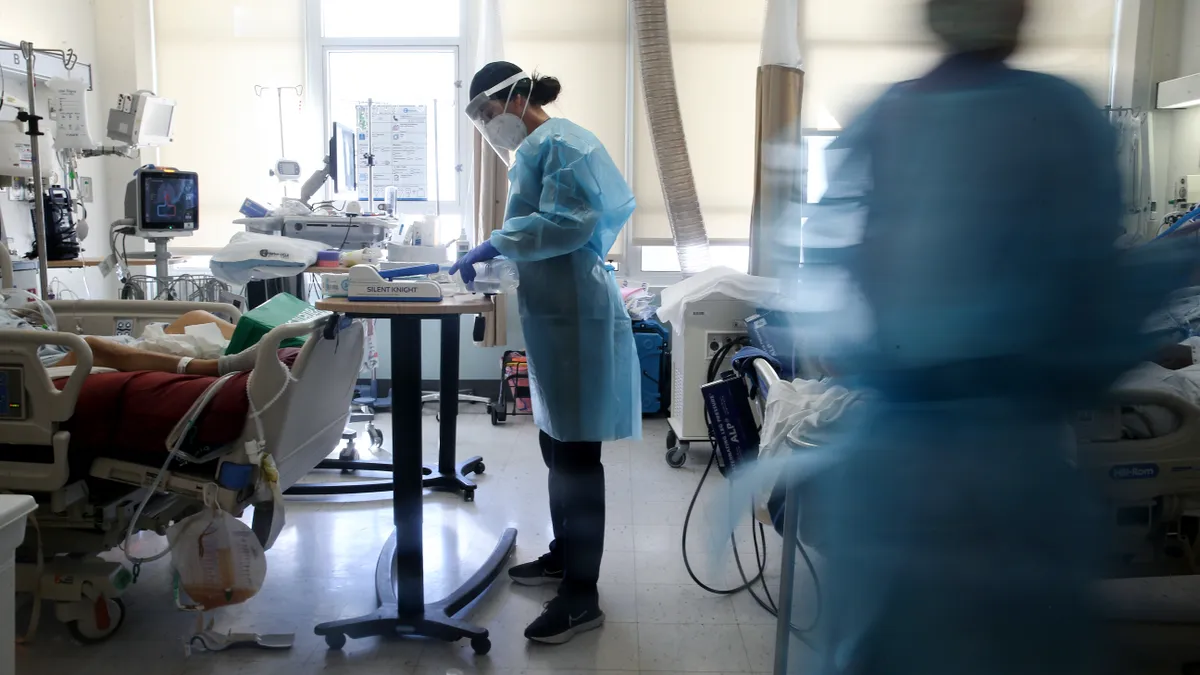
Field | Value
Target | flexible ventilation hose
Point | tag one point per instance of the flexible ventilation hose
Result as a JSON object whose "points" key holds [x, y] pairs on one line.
{"points": [[666, 135]]}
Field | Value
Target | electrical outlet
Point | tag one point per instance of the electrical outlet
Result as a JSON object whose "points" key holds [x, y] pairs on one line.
{"points": [[717, 340], [85, 190]]}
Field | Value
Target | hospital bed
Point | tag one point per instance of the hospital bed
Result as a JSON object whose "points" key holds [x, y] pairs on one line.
{"points": [[88, 494], [1152, 488]]}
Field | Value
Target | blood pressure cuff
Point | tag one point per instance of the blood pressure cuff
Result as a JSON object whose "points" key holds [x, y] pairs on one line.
{"points": [[279, 310]]}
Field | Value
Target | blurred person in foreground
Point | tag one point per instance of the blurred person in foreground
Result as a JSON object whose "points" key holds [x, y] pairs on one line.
{"points": [[983, 203]]}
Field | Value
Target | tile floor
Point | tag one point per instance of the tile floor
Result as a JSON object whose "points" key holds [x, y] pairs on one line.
{"points": [[322, 568]]}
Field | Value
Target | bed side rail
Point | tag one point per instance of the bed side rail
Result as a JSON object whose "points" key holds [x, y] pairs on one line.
{"points": [[128, 317], [31, 422], [1184, 439], [18, 348]]}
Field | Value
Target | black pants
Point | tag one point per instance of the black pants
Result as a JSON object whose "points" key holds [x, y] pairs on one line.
{"points": [[576, 513]]}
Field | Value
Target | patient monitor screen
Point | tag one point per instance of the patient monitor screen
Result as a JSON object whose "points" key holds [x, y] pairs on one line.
{"points": [[170, 201], [12, 394]]}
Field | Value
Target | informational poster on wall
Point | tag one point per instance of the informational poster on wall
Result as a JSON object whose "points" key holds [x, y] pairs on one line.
{"points": [[399, 140]]}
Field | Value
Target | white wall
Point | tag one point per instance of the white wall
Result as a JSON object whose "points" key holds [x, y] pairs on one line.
{"points": [[108, 35]]}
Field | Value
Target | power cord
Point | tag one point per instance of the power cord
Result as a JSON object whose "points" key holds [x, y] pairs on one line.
{"points": [[757, 535]]}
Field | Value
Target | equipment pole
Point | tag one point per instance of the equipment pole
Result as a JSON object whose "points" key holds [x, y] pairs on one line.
{"points": [[39, 206]]}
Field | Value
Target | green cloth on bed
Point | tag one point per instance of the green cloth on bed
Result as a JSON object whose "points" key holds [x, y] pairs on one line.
{"points": [[280, 309]]}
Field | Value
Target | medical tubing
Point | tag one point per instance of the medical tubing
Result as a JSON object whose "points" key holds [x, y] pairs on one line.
{"points": [[174, 442], [732, 542], [714, 365], [760, 556]]}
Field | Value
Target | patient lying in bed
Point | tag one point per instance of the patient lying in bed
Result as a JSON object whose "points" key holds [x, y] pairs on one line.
{"points": [[128, 354]]}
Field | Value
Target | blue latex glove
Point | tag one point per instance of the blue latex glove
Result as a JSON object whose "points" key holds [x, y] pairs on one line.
{"points": [[466, 265]]}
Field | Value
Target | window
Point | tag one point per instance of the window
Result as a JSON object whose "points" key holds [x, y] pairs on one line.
{"points": [[398, 52], [814, 180]]}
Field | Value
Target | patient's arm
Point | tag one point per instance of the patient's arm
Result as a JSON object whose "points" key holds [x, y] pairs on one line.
{"points": [[109, 354], [197, 317]]}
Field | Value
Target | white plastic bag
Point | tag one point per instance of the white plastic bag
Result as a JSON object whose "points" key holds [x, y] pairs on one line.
{"points": [[217, 558], [23, 306], [250, 256]]}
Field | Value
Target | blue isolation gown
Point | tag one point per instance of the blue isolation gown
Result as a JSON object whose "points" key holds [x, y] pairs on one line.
{"points": [[567, 202], [980, 206]]}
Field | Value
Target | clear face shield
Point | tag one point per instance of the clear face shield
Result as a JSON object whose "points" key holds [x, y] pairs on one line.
{"points": [[503, 130]]}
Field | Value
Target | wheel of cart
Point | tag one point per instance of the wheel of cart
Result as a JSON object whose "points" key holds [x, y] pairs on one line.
{"points": [[496, 409], [677, 450]]}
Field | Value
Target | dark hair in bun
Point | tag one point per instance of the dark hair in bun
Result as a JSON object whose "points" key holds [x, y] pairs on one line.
{"points": [[545, 90], [539, 89]]}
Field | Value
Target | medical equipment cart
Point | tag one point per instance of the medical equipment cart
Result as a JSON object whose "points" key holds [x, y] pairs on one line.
{"points": [[514, 397], [399, 574]]}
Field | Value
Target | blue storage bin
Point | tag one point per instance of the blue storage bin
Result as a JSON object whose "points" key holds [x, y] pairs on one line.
{"points": [[654, 357]]}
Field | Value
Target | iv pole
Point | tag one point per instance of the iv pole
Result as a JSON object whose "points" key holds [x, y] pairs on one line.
{"points": [[31, 118], [299, 89]]}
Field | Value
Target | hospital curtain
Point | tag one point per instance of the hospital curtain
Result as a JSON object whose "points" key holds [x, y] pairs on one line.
{"points": [[489, 176], [210, 56]]}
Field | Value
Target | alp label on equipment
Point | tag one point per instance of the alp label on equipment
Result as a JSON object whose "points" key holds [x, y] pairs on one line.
{"points": [[1133, 471]]}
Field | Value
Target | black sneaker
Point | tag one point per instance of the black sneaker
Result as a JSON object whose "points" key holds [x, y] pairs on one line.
{"points": [[562, 620], [544, 570]]}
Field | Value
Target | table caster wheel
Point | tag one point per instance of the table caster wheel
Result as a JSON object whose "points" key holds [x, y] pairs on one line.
{"points": [[335, 641], [469, 495], [376, 436], [676, 457], [672, 440], [481, 645], [98, 621], [348, 454]]}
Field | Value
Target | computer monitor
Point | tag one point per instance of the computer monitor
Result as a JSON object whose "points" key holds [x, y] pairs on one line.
{"points": [[343, 159], [142, 120], [163, 203]]}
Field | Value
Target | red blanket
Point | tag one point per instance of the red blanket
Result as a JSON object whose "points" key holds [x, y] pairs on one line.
{"points": [[128, 416]]}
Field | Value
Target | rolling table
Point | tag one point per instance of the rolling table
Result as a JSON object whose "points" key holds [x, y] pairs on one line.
{"points": [[399, 574]]}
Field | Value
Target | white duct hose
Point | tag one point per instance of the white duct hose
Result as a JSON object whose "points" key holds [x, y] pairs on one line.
{"points": [[781, 39], [666, 135]]}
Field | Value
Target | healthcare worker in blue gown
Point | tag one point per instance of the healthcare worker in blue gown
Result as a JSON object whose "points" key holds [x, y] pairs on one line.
{"points": [[977, 209], [567, 202]]}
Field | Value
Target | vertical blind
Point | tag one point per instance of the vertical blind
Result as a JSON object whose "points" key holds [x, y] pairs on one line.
{"points": [[210, 55]]}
